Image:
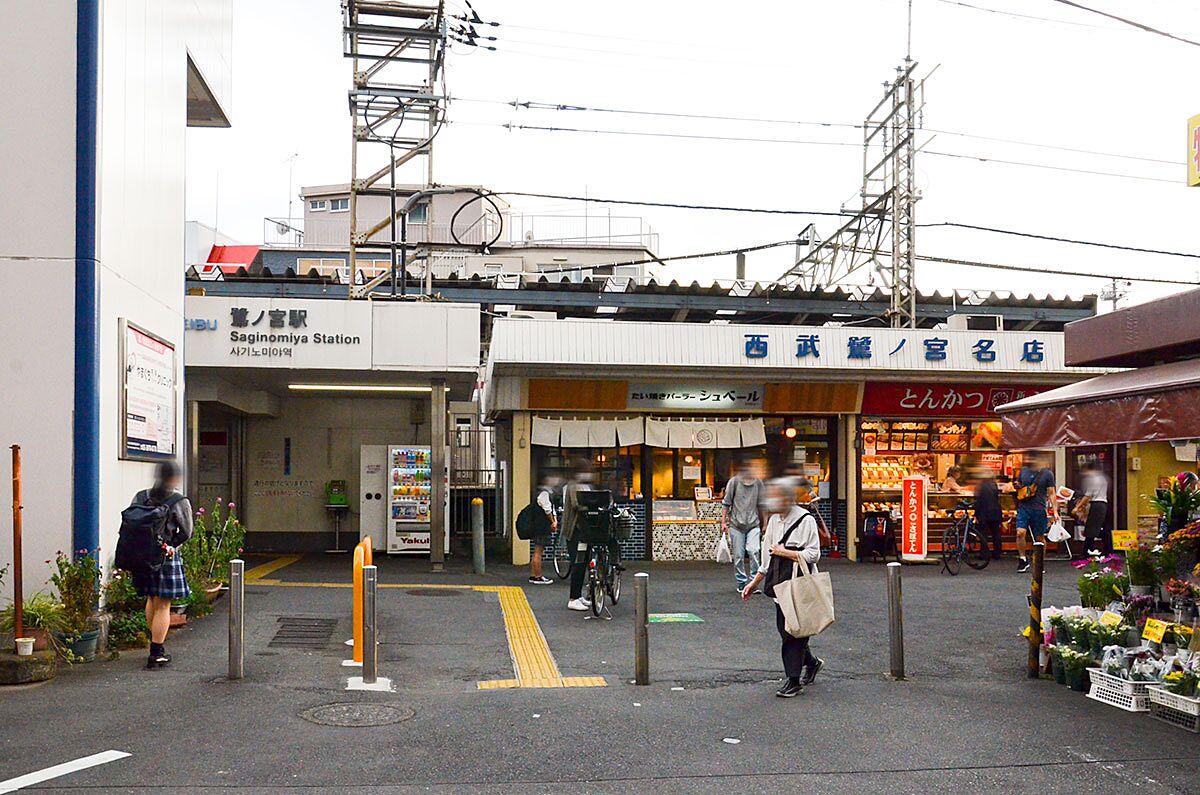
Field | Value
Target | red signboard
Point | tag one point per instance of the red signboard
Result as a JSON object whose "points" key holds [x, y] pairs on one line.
{"points": [[913, 544], [886, 399]]}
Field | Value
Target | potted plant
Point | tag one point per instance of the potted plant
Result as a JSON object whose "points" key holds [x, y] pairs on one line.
{"points": [[1185, 543], [217, 538], [41, 615], [1142, 570], [1100, 580], [78, 584], [127, 615], [1177, 502], [1076, 664], [1056, 664], [1183, 598]]}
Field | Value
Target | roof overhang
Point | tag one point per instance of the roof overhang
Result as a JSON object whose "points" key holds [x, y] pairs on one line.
{"points": [[1158, 331], [203, 107], [1150, 404]]}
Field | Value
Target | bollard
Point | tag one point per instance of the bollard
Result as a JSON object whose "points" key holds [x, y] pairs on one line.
{"points": [[1035, 609], [370, 657], [360, 553], [368, 552], [237, 626], [641, 629], [895, 621], [477, 550]]}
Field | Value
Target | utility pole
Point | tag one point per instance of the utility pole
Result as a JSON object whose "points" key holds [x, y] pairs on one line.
{"points": [[889, 197], [1118, 289]]}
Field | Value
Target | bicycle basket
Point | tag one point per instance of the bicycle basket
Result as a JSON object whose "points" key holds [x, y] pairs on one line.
{"points": [[594, 525], [623, 524]]}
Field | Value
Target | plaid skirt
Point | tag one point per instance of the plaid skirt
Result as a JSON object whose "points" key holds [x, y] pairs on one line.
{"points": [[168, 582]]}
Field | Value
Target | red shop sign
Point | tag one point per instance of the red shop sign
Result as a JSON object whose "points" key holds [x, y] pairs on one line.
{"points": [[912, 519], [940, 400]]}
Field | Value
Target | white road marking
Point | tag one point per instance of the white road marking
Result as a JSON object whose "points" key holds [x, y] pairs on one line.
{"points": [[83, 763], [1115, 769]]}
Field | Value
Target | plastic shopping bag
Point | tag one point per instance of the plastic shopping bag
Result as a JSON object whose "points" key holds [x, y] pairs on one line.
{"points": [[723, 553], [1057, 533]]}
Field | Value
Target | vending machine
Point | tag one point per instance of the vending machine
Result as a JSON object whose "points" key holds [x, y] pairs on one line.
{"points": [[410, 488]]}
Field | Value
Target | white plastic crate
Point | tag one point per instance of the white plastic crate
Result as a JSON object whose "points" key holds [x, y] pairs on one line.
{"points": [[1105, 694], [1126, 686], [1174, 709]]}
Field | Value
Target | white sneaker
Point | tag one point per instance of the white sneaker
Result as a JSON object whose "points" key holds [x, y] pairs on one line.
{"points": [[579, 604]]}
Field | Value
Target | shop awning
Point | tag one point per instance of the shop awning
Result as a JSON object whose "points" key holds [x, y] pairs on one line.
{"points": [[1148, 404]]}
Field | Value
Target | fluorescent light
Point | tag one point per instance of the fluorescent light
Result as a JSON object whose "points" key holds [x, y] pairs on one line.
{"points": [[359, 388], [840, 314]]}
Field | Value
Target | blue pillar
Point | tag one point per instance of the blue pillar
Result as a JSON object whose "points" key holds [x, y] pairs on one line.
{"points": [[85, 494]]}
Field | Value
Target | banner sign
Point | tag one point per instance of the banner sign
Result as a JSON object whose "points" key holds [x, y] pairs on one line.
{"points": [[913, 545], [887, 398], [1193, 160], [147, 395], [696, 397]]}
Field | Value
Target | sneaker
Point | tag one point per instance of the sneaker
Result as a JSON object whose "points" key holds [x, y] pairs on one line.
{"points": [[810, 673], [1022, 566], [541, 581], [579, 605], [160, 660], [790, 689]]}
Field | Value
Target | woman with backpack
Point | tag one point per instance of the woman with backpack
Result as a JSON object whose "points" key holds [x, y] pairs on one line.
{"points": [[168, 582], [791, 534]]}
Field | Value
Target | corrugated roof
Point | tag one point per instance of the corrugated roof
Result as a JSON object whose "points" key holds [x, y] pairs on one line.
{"points": [[232, 255]]}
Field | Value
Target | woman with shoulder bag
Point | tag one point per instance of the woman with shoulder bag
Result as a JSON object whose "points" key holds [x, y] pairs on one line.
{"points": [[791, 536]]}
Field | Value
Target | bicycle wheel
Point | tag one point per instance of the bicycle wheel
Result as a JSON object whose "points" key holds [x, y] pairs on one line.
{"points": [[978, 554], [951, 551], [596, 592], [614, 585], [562, 556]]}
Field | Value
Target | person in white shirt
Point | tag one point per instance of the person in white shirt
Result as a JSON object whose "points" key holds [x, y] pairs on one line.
{"points": [[542, 541], [791, 534]]}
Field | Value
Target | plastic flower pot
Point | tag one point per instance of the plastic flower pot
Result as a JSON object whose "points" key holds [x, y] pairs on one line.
{"points": [[1077, 679], [1060, 670], [81, 646], [24, 647]]}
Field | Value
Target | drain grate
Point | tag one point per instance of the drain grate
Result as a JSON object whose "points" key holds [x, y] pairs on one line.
{"points": [[303, 633], [354, 715]]}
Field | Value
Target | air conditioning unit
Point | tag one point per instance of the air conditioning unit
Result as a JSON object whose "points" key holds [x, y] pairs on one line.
{"points": [[975, 322]]}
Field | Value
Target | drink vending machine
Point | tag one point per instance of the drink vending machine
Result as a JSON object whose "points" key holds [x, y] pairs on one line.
{"points": [[397, 489]]}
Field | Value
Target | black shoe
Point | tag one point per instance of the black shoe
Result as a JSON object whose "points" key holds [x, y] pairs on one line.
{"points": [[160, 660], [810, 673], [1022, 566], [790, 689]]}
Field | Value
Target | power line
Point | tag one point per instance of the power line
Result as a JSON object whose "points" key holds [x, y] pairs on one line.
{"points": [[559, 106], [1130, 22], [748, 139], [1024, 16], [774, 211], [1055, 270], [1063, 239]]}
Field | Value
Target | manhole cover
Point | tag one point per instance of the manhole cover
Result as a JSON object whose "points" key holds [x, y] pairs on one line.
{"points": [[353, 715], [434, 592]]}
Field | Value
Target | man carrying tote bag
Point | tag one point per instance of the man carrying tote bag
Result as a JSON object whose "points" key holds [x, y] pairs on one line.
{"points": [[803, 607]]}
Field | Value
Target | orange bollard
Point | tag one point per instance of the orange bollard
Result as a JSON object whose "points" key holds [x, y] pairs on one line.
{"points": [[361, 551], [367, 552]]}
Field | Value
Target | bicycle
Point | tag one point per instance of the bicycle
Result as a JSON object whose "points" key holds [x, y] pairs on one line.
{"points": [[597, 528], [561, 556], [962, 542]]}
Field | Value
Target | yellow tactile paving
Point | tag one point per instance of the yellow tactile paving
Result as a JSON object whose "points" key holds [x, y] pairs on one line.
{"points": [[533, 664], [257, 573]]}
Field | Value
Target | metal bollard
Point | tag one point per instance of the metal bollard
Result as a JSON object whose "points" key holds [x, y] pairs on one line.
{"points": [[1035, 609], [237, 606], [370, 655], [477, 550], [641, 629], [895, 621]]}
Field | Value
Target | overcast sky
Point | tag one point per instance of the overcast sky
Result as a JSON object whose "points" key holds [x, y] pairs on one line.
{"points": [[1080, 81]]}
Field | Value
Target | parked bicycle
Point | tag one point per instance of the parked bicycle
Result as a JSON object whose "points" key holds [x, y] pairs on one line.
{"points": [[962, 542], [600, 527]]}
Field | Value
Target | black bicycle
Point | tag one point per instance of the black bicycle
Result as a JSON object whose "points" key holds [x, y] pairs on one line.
{"points": [[962, 542], [562, 556], [599, 525]]}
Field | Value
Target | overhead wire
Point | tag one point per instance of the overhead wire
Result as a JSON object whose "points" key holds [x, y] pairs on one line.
{"points": [[749, 139], [1130, 22], [1025, 16]]}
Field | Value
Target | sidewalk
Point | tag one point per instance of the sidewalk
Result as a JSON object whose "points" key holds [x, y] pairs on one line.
{"points": [[966, 718]]}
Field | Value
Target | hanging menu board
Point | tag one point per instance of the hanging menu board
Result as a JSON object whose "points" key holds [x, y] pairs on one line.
{"points": [[949, 437], [899, 436]]}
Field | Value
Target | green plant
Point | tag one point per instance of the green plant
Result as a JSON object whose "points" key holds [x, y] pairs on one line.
{"points": [[1142, 568], [1101, 580], [127, 630], [1177, 502], [1075, 661], [78, 584], [197, 604], [40, 611], [120, 596], [217, 538]]}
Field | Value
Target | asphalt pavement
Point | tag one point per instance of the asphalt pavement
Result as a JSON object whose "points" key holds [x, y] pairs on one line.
{"points": [[967, 716]]}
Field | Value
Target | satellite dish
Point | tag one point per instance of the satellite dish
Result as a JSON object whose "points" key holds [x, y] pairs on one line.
{"points": [[529, 236], [281, 228]]}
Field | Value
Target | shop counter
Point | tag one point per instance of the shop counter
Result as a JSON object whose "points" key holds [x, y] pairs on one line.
{"points": [[685, 529]]}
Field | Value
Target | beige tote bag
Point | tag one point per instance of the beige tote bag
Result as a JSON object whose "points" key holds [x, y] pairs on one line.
{"points": [[806, 602]]}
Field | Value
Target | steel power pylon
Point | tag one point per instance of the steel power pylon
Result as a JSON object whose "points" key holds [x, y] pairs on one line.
{"points": [[397, 105], [889, 198]]}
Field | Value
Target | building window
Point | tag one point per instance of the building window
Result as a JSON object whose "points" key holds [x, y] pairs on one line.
{"points": [[418, 214], [317, 205], [339, 205]]}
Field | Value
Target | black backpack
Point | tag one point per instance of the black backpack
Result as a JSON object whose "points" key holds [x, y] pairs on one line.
{"points": [[145, 534], [532, 522]]}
